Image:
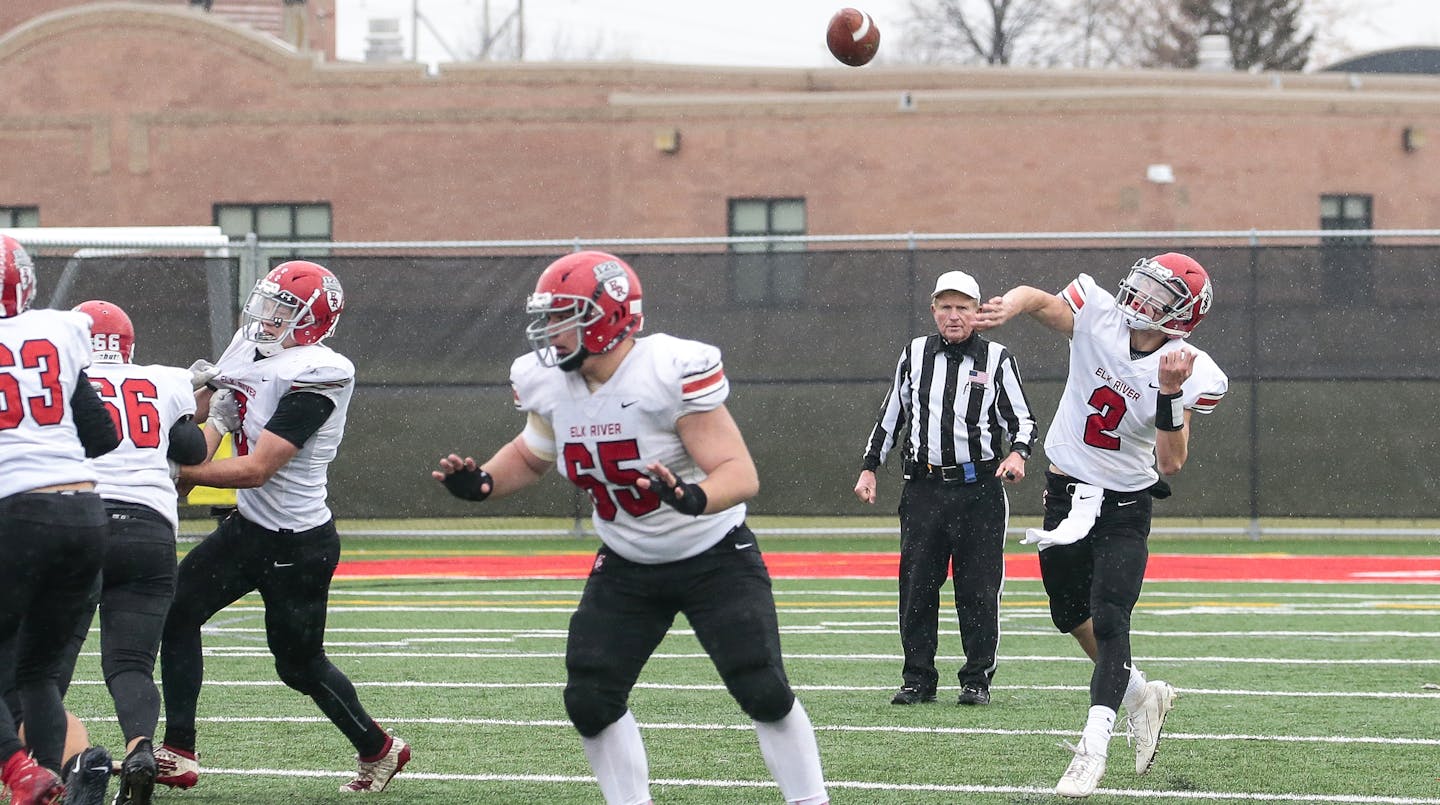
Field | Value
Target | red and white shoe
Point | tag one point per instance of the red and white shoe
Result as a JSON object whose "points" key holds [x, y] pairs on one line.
{"points": [[176, 768], [29, 783], [374, 775]]}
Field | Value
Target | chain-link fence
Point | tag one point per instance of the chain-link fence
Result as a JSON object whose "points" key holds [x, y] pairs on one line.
{"points": [[1331, 351]]}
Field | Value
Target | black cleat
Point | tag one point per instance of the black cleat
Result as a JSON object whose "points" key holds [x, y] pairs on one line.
{"points": [[912, 694], [137, 776], [87, 777], [972, 693]]}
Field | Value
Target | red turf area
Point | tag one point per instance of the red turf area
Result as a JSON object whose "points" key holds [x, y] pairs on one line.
{"points": [[1163, 567]]}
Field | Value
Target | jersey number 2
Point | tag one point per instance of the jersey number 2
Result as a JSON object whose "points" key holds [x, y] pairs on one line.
{"points": [[132, 409], [580, 466], [1100, 426]]}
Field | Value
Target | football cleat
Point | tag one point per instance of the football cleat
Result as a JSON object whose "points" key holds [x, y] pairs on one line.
{"points": [[373, 775], [29, 783], [913, 694], [1083, 774], [176, 768], [137, 776], [87, 777], [1147, 720], [973, 694]]}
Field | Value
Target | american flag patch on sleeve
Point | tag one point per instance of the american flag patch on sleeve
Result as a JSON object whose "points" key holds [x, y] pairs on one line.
{"points": [[703, 382]]}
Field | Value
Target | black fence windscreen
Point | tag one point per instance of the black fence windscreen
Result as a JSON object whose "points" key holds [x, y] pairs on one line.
{"points": [[1331, 353]]}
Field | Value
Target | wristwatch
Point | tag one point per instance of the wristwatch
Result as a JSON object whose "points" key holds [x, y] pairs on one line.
{"points": [[1022, 448]]}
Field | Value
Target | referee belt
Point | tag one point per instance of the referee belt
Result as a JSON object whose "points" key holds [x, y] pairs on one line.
{"points": [[968, 473]]}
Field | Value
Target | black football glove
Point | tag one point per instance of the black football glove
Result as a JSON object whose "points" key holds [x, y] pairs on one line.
{"points": [[465, 484], [693, 502]]}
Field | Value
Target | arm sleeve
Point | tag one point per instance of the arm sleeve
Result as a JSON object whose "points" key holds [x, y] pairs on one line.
{"points": [[93, 424], [1012, 405], [187, 442], [893, 417], [299, 415]]}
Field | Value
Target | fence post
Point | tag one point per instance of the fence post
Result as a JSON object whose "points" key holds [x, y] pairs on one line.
{"points": [[1253, 529]]}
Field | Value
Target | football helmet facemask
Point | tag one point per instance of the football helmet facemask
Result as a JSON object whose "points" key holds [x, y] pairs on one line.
{"points": [[17, 278], [593, 294], [297, 303], [112, 336], [1169, 292]]}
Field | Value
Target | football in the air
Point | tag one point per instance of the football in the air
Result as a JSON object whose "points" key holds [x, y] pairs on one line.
{"points": [[852, 37]]}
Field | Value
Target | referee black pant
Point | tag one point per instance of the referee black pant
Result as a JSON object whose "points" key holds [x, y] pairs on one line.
{"points": [[944, 525]]}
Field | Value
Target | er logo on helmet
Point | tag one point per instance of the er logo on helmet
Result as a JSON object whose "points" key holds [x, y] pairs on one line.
{"points": [[611, 276]]}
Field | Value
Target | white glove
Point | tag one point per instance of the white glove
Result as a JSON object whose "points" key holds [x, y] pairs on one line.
{"points": [[202, 372], [1084, 508], [174, 469], [224, 412]]}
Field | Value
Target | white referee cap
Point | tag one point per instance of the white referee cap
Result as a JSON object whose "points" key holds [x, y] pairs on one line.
{"points": [[957, 281]]}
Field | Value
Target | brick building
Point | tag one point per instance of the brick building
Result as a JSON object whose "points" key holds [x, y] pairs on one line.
{"points": [[157, 113]]}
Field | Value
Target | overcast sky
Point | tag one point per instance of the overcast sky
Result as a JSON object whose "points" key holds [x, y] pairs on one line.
{"points": [[777, 33]]}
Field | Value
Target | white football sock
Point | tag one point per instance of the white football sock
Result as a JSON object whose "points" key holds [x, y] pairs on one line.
{"points": [[793, 757], [1098, 726], [1134, 690], [617, 756]]}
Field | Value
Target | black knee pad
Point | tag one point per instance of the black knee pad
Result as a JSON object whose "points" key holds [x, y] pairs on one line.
{"points": [[592, 710], [763, 693], [1111, 620], [301, 676]]}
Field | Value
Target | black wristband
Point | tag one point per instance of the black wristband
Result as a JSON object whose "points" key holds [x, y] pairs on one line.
{"points": [[694, 501], [1169, 414], [465, 484], [1022, 448]]}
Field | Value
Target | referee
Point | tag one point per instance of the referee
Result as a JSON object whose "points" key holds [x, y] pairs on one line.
{"points": [[960, 398]]}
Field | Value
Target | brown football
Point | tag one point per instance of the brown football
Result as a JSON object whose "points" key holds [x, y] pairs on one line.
{"points": [[852, 37]]}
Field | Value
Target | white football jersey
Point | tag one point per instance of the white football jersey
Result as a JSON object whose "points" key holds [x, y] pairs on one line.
{"points": [[1104, 430], [145, 401], [294, 497], [42, 353], [604, 439]]}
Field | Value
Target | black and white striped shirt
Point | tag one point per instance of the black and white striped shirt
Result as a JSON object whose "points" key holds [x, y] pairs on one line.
{"points": [[958, 402]]}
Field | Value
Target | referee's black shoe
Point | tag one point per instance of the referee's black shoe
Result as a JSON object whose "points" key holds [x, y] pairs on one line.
{"points": [[913, 694], [972, 693]]}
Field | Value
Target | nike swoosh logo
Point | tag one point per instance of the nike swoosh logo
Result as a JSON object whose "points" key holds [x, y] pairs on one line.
{"points": [[284, 564], [1125, 503], [740, 546], [1085, 497], [1154, 386], [628, 404]]}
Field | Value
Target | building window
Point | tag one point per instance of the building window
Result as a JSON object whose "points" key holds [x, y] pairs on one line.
{"points": [[14, 217], [1347, 264], [770, 272], [1347, 212], [277, 222]]}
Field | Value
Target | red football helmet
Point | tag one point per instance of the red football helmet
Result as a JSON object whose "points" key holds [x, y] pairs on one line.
{"points": [[17, 278], [594, 294], [1169, 292], [297, 303], [112, 336]]}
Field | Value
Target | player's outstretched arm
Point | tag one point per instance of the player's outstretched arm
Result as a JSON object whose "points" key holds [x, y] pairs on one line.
{"points": [[270, 453], [1046, 308], [713, 440], [512, 468]]}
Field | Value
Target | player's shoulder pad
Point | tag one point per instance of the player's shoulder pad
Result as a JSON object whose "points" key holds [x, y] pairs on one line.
{"points": [[321, 369], [528, 378], [696, 367]]}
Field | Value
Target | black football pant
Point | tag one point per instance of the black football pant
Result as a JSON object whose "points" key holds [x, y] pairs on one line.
{"points": [[945, 525], [291, 570], [627, 608], [1099, 578], [52, 544]]}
